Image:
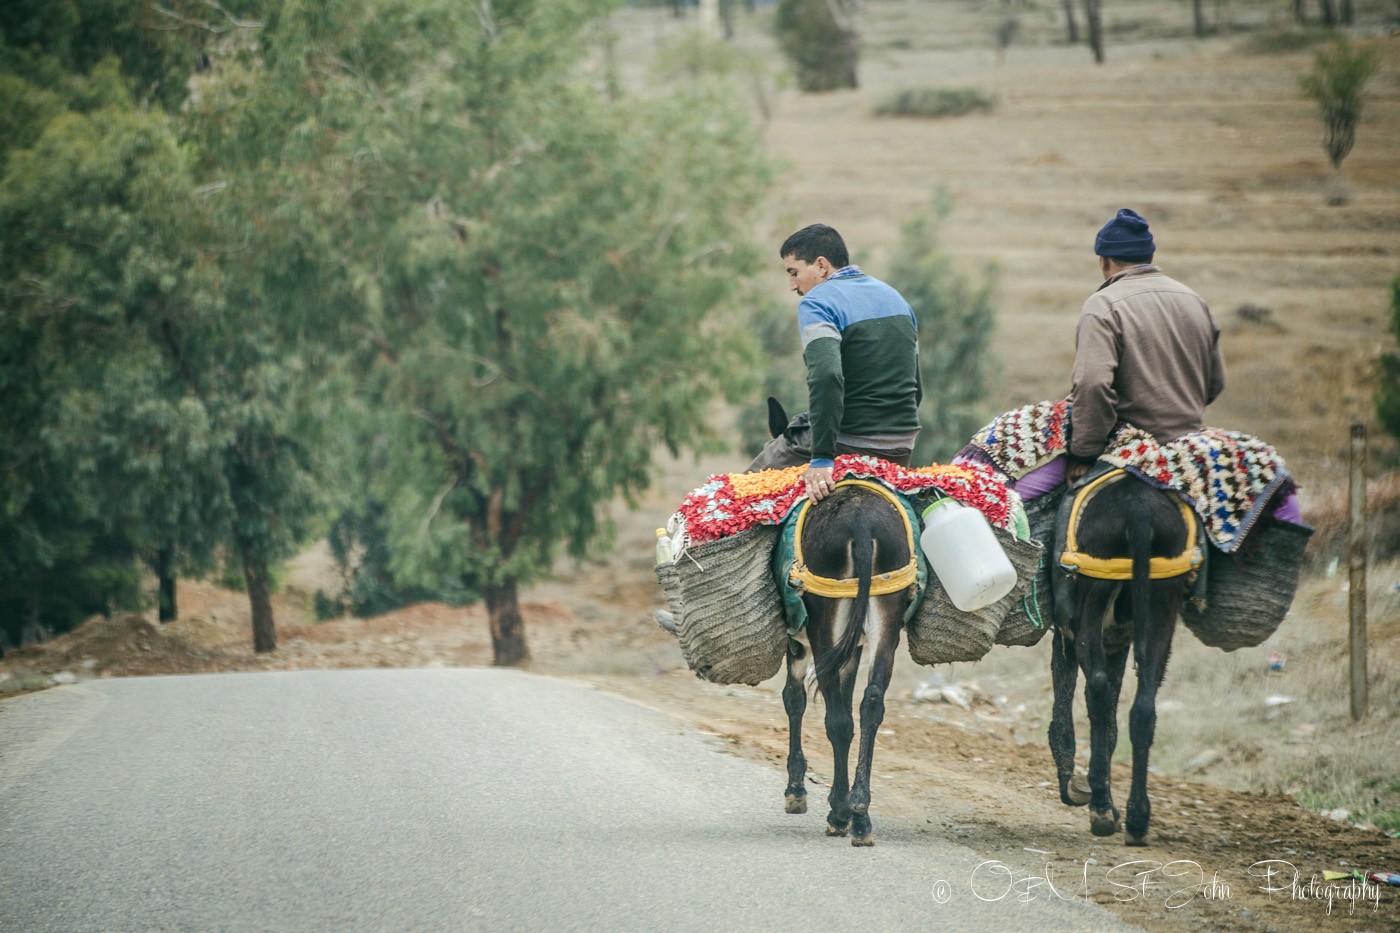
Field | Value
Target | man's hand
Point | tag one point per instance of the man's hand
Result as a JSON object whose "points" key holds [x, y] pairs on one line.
{"points": [[1076, 469], [819, 482]]}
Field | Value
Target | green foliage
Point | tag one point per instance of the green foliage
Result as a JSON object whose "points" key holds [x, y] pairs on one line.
{"points": [[693, 56], [86, 250], [930, 102], [359, 541], [1388, 381], [411, 227], [175, 387], [540, 283], [784, 378], [821, 47], [1281, 41], [57, 44], [1336, 82], [956, 320]]}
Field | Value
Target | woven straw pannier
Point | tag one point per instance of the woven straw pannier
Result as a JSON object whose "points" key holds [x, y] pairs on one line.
{"points": [[670, 579], [732, 629], [940, 633], [1035, 603], [1247, 597], [1028, 617]]}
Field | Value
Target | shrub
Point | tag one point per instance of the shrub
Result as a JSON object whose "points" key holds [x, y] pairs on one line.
{"points": [[819, 39], [1331, 522], [1338, 77], [1388, 375], [933, 102], [1277, 41]]}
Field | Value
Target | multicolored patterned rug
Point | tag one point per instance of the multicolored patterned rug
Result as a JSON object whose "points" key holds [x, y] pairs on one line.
{"points": [[1228, 477], [733, 502], [1022, 439]]}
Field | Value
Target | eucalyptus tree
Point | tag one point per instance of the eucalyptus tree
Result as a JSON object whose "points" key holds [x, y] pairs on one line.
{"points": [[541, 282], [91, 255]]}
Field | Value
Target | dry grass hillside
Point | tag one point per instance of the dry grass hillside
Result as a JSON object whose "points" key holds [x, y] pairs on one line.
{"points": [[1213, 142]]}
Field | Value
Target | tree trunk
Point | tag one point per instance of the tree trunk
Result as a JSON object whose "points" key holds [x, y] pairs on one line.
{"points": [[1095, 18], [508, 648], [1300, 11], [708, 19], [1071, 24], [1329, 13], [852, 50], [165, 573], [1198, 16], [260, 598], [1346, 13]]}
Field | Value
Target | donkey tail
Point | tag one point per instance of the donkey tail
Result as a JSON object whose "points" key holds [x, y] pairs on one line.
{"points": [[1139, 528], [863, 557]]}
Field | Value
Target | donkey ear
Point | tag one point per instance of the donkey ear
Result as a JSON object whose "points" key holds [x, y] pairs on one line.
{"points": [[777, 417]]}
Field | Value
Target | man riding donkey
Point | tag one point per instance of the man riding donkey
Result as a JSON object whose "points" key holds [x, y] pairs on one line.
{"points": [[1145, 487], [860, 342], [810, 556]]}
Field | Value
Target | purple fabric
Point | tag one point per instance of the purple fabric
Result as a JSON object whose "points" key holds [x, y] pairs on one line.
{"points": [[1289, 510], [1034, 484], [1041, 480]]}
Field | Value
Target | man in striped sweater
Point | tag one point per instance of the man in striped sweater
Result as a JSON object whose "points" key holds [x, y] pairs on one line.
{"points": [[860, 341]]}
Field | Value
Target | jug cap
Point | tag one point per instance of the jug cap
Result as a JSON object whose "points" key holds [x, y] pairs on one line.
{"points": [[939, 503]]}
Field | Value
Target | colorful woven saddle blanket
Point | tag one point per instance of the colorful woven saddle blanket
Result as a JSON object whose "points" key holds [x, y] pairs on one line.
{"points": [[729, 503], [1023, 439], [1230, 478]]}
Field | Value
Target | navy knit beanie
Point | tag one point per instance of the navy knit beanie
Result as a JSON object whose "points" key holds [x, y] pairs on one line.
{"points": [[1125, 237]]}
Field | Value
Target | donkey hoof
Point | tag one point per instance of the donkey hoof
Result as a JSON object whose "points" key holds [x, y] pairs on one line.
{"points": [[796, 803], [835, 830], [866, 840], [1078, 790], [1136, 841], [1103, 823]]}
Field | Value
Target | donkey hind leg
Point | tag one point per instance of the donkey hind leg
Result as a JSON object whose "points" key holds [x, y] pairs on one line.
{"points": [[837, 688], [1152, 646], [884, 622], [795, 702], [1100, 697], [1064, 673]]}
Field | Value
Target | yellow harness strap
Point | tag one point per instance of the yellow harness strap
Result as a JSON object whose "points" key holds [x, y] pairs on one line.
{"points": [[880, 583], [1121, 568]]}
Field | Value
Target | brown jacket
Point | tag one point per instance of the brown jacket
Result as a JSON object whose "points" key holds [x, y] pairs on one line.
{"points": [[1147, 352]]}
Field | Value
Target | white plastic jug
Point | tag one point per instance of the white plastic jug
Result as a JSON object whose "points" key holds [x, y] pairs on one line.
{"points": [[964, 553]]}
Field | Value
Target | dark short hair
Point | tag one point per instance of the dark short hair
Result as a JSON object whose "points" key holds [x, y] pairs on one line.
{"points": [[1129, 260], [813, 241]]}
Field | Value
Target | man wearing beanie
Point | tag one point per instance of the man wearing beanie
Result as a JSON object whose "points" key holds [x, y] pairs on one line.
{"points": [[1147, 350]]}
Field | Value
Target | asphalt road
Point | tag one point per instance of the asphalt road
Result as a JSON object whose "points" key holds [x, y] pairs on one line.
{"points": [[439, 800]]}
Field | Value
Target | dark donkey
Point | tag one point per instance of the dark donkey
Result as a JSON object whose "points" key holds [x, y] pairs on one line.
{"points": [[851, 537], [1126, 528]]}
